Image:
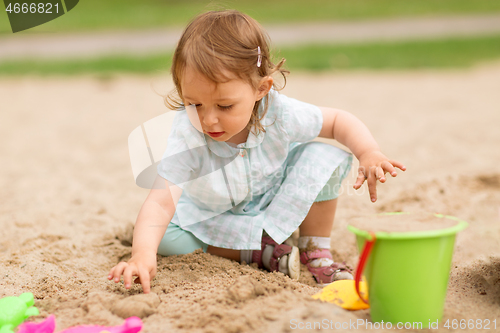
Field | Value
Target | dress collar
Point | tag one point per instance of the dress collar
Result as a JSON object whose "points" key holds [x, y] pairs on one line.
{"points": [[223, 149]]}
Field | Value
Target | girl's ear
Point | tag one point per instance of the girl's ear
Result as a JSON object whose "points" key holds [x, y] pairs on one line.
{"points": [[265, 84]]}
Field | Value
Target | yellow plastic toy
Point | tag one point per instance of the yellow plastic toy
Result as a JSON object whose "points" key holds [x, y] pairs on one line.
{"points": [[343, 293]]}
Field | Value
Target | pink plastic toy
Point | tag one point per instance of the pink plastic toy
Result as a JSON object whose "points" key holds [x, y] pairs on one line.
{"points": [[46, 326], [131, 325]]}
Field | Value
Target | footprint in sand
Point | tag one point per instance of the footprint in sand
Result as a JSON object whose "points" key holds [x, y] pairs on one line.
{"points": [[141, 305], [245, 288]]}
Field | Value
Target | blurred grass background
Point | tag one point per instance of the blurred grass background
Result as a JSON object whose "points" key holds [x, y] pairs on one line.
{"points": [[99, 15], [450, 53], [143, 14]]}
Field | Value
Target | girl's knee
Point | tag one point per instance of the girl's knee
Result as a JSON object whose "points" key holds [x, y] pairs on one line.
{"points": [[333, 186], [179, 241]]}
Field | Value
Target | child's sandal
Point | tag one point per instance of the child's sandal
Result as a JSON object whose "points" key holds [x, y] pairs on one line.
{"points": [[290, 268], [327, 274]]}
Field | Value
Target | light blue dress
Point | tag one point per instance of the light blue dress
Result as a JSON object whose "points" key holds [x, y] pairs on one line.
{"points": [[232, 194]]}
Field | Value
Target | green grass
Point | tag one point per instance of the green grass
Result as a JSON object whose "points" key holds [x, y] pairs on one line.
{"points": [[103, 65], [450, 53], [132, 14]]}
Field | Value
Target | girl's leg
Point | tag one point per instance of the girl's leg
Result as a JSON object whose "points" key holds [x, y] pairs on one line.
{"points": [[225, 253], [315, 230], [285, 257], [319, 220], [179, 241]]}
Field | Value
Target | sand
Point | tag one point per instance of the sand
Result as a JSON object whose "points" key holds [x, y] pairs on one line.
{"points": [[68, 199]]}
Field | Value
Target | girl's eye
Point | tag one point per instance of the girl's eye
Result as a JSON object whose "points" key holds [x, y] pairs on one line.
{"points": [[225, 107]]}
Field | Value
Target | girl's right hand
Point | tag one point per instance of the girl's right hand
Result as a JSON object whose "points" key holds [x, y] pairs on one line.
{"points": [[142, 265]]}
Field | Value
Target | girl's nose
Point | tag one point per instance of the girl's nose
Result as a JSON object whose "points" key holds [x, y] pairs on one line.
{"points": [[210, 117]]}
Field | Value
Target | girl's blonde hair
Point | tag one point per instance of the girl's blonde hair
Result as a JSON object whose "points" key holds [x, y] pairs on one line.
{"points": [[218, 42]]}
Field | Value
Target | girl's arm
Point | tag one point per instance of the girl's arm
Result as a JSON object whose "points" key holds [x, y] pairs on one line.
{"points": [[351, 132], [152, 222], [154, 217]]}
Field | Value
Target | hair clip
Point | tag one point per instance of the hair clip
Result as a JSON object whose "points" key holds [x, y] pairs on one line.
{"points": [[259, 59]]}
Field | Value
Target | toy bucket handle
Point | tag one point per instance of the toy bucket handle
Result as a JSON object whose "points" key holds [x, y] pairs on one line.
{"points": [[367, 248]]}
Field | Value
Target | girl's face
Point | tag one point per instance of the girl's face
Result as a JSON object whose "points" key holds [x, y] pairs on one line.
{"points": [[224, 109]]}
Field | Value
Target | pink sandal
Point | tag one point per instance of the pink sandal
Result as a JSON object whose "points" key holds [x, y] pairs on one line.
{"points": [[327, 274], [292, 267]]}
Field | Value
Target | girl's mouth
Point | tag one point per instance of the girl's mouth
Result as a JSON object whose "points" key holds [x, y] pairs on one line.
{"points": [[215, 134]]}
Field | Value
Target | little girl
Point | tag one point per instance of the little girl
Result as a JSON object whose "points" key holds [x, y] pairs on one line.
{"points": [[240, 174]]}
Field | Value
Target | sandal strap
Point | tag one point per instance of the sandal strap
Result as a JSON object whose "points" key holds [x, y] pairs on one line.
{"points": [[267, 240], [325, 274], [307, 256], [278, 253], [257, 255]]}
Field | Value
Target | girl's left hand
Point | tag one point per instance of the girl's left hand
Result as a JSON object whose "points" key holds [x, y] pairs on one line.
{"points": [[372, 167]]}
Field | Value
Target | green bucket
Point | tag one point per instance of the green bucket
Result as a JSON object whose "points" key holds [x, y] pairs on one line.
{"points": [[407, 272]]}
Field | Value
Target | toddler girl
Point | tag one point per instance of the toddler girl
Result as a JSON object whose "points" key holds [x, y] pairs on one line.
{"points": [[240, 174]]}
